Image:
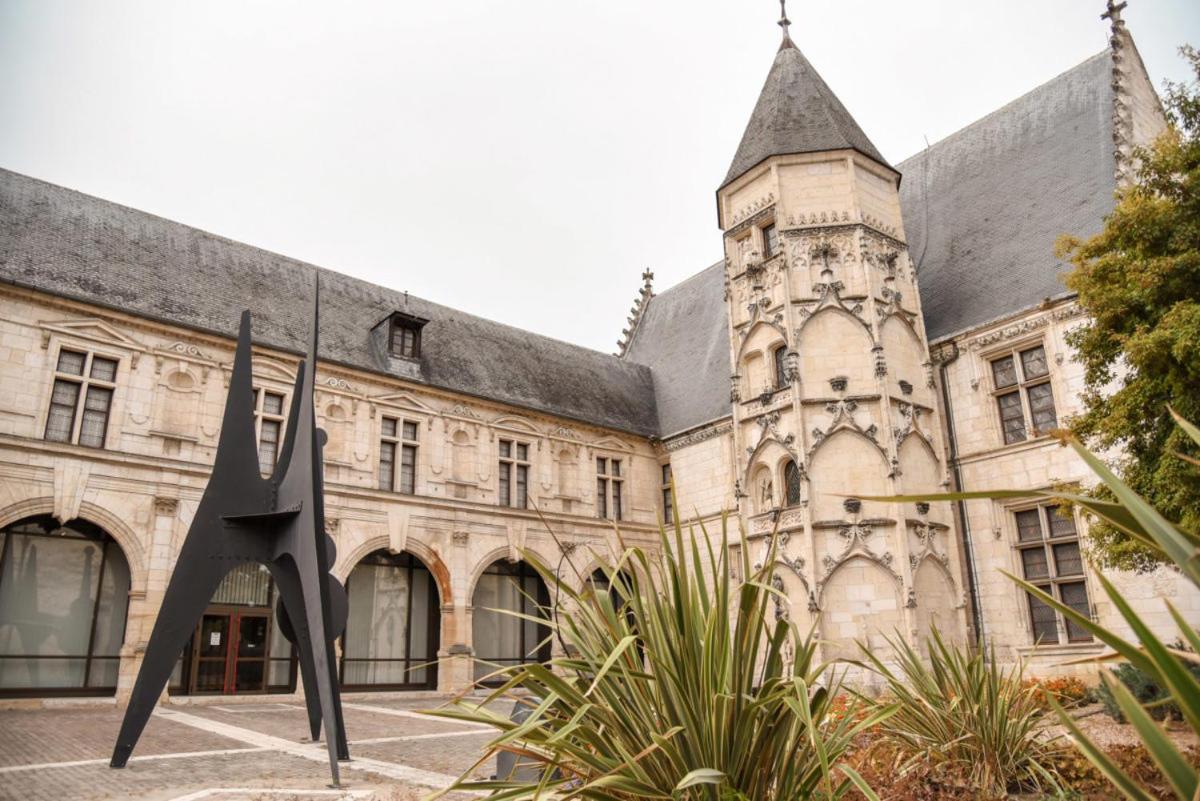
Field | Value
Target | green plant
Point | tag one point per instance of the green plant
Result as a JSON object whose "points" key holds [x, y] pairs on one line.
{"points": [[1167, 667], [1138, 282], [681, 686], [1145, 690], [965, 721]]}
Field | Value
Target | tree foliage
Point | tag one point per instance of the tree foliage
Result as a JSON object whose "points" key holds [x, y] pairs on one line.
{"points": [[1138, 281]]}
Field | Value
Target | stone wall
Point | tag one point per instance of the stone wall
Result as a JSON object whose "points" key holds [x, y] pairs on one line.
{"points": [[144, 485]]}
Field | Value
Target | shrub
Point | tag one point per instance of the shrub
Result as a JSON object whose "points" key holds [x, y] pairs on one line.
{"points": [[1171, 668], [965, 722], [682, 686], [1068, 691]]}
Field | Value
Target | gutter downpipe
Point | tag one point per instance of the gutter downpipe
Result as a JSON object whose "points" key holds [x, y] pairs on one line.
{"points": [[964, 524]]}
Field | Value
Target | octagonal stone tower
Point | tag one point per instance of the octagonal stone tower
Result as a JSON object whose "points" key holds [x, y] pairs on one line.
{"points": [[833, 390]]}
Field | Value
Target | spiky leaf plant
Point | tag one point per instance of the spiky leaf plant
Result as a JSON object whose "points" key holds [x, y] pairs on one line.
{"points": [[683, 685], [1166, 666], [964, 720]]}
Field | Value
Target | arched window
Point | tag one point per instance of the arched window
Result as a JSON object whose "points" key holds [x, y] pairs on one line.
{"points": [[781, 373], [501, 639], [791, 483], [393, 629], [64, 593]]}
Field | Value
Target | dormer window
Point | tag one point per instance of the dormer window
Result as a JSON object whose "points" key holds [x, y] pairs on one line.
{"points": [[405, 340]]}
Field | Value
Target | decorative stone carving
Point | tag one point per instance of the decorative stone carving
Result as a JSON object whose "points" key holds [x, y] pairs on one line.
{"points": [[166, 507], [698, 436]]}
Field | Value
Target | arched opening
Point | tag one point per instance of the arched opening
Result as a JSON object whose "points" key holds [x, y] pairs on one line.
{"points": [[861, 606], [64, 596], [394, 626], [791, 483], [237, 647], [764, 489], [936, 606], [501, 639]]}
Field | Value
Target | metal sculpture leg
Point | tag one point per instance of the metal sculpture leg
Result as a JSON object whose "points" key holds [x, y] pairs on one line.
{"points": [[181, 608], [277, 521]]}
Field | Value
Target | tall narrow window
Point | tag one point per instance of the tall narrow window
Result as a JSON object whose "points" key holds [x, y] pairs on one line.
{"points": [[667, 500], [1048, 546], [609, 486], [779, 356], [1023, 394], [791, 483], [770, 240], [514, 473], [268, 413], [398, 438], [81, 398]]}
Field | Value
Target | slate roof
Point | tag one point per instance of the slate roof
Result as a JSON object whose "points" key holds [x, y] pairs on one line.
{"points": [[74, 245], [683, 337], [796, 112], [983, 207]]}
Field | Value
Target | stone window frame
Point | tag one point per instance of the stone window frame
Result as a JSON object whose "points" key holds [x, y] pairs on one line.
{"points": [[768, 248], [1014, 350], [85, 381], [779, 366], [668, 505], [403, 438], [261, 391], [1053, 580], [610, 486], [514, 468]]}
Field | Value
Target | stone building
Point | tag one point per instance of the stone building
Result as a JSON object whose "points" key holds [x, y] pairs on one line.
{"points": [[872, 329]]}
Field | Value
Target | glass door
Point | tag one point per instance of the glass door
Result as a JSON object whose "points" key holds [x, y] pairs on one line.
{"points": [[249, 658], [212, 653]]}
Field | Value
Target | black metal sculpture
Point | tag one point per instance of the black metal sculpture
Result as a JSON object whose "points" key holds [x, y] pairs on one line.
{"points": [[277, 521]]}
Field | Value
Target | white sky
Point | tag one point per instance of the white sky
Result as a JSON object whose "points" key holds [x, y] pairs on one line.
{"points": [[521, 160]]}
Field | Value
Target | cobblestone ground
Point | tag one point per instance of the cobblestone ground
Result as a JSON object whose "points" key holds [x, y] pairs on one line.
{"points": [[229, 751]]}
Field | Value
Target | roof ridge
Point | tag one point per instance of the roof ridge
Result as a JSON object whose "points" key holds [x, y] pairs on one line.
{"points": [[297, 261], [998, 111]]}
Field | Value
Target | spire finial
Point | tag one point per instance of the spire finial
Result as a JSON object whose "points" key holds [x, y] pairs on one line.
{"points": [[1113, 13], [784, 22]]}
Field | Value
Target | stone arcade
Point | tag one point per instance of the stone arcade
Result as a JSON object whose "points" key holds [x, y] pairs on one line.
{"points": [[871, 329]]}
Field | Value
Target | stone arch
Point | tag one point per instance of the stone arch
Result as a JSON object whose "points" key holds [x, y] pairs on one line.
{"points": [[920, 470], [936, 604], [762, 336], [69, 588], [846, 463], [394, 630], [414, 545], [906, 356], [832, 343], [860, 602], [500, 639], [494, 555], [114, 526], [517, 424], [798, 591]]}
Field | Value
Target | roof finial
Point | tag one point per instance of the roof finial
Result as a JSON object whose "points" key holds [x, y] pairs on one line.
{"points": [[1113, 13], [784, 22]]}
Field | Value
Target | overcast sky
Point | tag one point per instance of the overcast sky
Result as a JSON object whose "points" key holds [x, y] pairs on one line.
{"points": [[521, 160]]}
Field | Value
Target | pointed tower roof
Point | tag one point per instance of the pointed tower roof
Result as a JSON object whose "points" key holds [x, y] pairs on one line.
{"points": [[797, 113]]}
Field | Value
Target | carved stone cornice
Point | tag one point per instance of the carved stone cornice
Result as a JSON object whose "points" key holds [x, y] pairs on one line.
{"points": [[698, 436]]}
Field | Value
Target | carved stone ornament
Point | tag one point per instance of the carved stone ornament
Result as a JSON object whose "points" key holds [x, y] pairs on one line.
{"points": [[167, 507]]}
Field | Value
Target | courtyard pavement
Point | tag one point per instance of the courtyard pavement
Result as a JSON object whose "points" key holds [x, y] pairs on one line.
{"points": [[234, 751]]}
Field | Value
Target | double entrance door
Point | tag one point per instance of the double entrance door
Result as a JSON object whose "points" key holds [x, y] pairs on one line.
{"points": [[229, 652]]}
